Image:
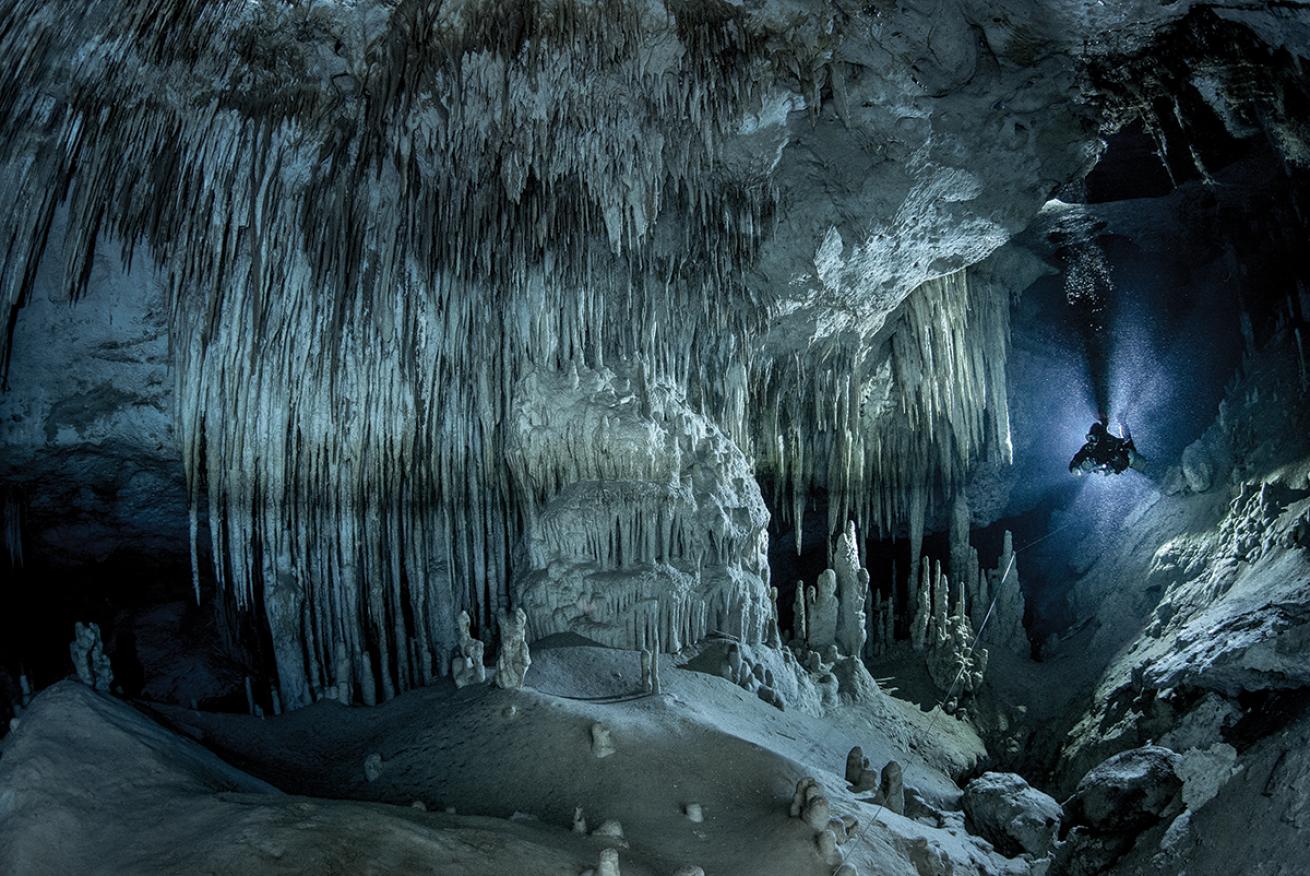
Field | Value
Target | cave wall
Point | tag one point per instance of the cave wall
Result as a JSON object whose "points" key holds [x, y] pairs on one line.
{"points": [[88, 431]]}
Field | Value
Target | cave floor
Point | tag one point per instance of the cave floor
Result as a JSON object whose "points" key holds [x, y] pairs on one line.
{"points": [[512, 765]]}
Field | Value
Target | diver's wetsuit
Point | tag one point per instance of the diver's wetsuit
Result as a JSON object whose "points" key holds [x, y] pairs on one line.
{"points": [[1104, 453]]}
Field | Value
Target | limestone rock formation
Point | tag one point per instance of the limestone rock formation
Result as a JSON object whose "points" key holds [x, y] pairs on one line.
{"points": [[373, 767], [385, 316], [856, 764], [1010, 814], [955, 661], [611, 831], [831, 613], [650, 671], [648, 516], [807, 787]]}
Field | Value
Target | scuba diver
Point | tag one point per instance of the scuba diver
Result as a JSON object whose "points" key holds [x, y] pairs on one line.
{"points": [[1105, 453]]}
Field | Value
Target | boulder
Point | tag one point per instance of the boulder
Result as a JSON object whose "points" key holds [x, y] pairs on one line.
{"points": [[1127, 793], [1010, 814]]}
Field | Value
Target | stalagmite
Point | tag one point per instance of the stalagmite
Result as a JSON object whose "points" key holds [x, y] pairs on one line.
{"points": [[852, 592], [650, 665], [856, 763], [922, 609], [609, 863], [858, 774], [1005, 629], [800, 628], [513, 660], [940, 601], [893, 788], [470, 666], [89, 659], [773, 635], [602, 741], [821, 611], [806, 788], [954, 662], [826, 843], [816, 812], [611, 829]]}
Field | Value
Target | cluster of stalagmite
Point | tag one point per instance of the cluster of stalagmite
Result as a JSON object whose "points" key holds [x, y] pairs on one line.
{"points": [[953, 624], [841, 614], [887, 785], [831, 831], [752, 677], [831, 612], [944, 634]]}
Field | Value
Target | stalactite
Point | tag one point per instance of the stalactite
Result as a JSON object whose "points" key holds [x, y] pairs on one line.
{"points": [[366, 250]]}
